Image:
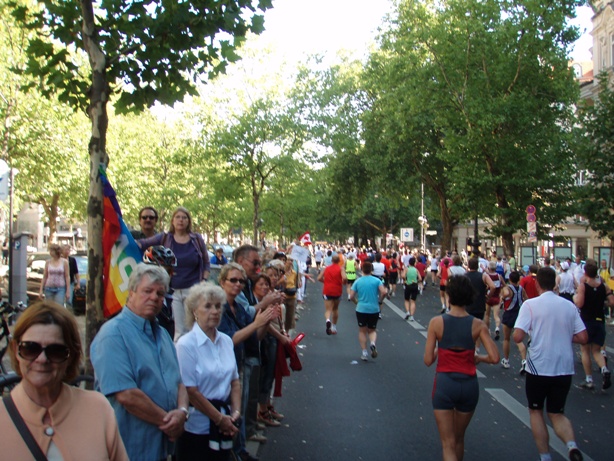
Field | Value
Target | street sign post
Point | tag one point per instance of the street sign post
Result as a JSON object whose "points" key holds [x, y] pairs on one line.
{"points": [[407, 234]]}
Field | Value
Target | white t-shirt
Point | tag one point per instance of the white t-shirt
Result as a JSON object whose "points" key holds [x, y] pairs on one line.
{"points": [[405, 260], [319, 256], [378, 269], [551, 321], [578, 272]]}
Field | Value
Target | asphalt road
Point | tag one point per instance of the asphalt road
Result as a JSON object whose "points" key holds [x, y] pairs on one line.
{"points": [[341, 408]]}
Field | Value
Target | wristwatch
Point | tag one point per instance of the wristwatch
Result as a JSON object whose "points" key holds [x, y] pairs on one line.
{"points": [[187, 413]]}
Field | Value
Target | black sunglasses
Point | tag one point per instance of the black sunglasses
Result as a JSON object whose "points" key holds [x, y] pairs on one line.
{"points": [[55, 353], [236, 280], [256, 263], [149, 217]]}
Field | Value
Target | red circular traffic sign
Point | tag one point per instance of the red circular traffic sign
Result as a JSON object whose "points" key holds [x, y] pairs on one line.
{"points": [[530, 209]]}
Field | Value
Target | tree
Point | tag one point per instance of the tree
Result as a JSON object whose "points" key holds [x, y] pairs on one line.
{"points": [[596, 160], [255, 145], [40, 136], [491, 80], [140, 52]]}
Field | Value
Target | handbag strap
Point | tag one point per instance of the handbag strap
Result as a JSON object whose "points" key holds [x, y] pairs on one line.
{"points": [[20, 424]]}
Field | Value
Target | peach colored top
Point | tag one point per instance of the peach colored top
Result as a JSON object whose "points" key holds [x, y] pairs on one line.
{"points": [[83, 426]]}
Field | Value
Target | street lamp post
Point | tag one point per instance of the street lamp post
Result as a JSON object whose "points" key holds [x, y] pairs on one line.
{"points": [[424, 224]]}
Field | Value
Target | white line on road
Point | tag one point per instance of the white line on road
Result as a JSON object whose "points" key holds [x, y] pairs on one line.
{"points": [[522, 413]]}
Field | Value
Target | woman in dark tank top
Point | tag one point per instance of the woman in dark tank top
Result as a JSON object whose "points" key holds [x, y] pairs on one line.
{"points": [[451, 342]]}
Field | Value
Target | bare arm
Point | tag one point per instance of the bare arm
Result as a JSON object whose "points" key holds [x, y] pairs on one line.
{"points": [[578, 298], [321, 275], [492, 353], [580, 338], [430, 348], [382, 293], [260, 321], [44, 281], [519, 335], [66, 279], [224, 422], [138, 404]]}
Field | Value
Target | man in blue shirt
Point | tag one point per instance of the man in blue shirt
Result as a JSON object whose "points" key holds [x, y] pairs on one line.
{"points": [[368, 292], [136, 368]]}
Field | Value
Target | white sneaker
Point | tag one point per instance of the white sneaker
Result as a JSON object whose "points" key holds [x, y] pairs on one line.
{"points": [[364, 356], [505, 363]]}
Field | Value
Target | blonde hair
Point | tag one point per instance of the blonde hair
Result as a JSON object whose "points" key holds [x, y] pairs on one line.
{"points": [[204, 291]]}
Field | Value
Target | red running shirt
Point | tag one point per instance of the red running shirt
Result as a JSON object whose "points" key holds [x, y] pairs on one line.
{"points": [[333, 281]]}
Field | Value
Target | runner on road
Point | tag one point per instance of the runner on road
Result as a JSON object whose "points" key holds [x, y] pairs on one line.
{"points": [[554, 324], [451, 341], [368, 292], [333, 277]]}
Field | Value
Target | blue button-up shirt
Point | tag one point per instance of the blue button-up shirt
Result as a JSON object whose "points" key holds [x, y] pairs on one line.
{"points": [[131, 352]]}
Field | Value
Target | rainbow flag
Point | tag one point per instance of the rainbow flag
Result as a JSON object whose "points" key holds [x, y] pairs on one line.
{"points": [[120, 252]]}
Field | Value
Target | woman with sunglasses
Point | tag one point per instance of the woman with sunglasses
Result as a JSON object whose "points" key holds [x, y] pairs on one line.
{"points": [[193, 264], [246, 331], [46, 352]]}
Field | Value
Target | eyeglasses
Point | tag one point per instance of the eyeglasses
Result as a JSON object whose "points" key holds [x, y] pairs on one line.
{"points": [[236, 280], [55, 353], [255, 263], [149, 217]]}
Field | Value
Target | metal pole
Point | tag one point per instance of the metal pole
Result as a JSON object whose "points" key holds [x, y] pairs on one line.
{"points": [[476, 240], [422, 214]]}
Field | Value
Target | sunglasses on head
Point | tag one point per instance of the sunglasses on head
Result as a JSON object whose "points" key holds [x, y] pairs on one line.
{"points": [[56, 353], [236, 280], [149, 217]]}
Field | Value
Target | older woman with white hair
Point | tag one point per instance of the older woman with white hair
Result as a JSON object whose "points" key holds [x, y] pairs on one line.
{"points": [[209, 372]]}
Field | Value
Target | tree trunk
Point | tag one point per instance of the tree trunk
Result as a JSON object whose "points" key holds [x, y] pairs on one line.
{"points": [[256, 203], [446, 219], [51, 210], [97, 111]]}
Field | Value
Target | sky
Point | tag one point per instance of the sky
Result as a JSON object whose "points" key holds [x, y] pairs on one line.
{"points": [[300, 27]]}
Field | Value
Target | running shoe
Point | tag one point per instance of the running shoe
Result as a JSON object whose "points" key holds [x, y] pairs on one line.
{"points": [[266, 418], [333, 330], [380, 315], [575, 455], [257, 437], [587, 385], [407, 316], [505, 363], [274, 414], [443, 310], [373, 351], [364, 356], [411, 318], [523, 367], [497, 334], [328, 328], [607, 379]]}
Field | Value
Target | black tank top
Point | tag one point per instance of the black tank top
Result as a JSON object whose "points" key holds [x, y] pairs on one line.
{"points": [[478, 306], [457, 333], [594, 297]]}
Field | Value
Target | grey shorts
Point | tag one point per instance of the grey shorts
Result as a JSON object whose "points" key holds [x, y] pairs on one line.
{"points": [[455, 391]]}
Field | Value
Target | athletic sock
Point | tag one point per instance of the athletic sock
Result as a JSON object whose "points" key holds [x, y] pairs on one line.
{"points": [[589, 378], [571, 445], [604, 369], [545, 457]]}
